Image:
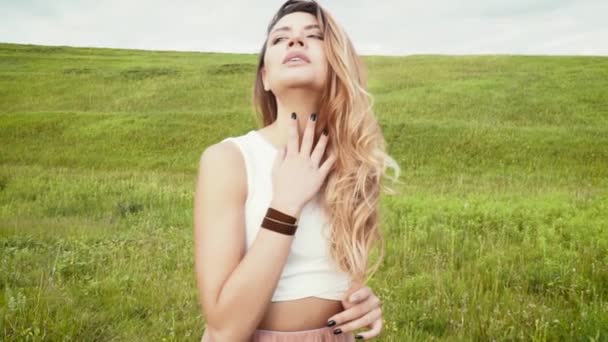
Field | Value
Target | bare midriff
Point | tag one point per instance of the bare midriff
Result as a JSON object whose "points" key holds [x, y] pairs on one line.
{"points": [[299, 314]]}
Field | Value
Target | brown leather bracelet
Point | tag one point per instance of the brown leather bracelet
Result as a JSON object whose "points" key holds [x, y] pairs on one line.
{"points": [[276, 221], [278, 227], [277, 215]]}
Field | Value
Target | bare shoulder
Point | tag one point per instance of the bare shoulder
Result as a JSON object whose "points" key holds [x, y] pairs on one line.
{"points": [[224, 152], [222, 164]]}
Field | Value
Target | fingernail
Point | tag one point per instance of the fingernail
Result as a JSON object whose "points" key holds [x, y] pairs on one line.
{"points": [[359, 337], [337, 331], [293, 115], [325, 131], [353, 299], [313, 116], [331, 323]]}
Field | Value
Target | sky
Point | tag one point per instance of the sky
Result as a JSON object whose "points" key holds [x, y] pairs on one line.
{"points": [[380, 27]]}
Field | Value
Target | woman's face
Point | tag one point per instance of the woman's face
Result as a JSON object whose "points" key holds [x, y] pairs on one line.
{"points": [[294, 34]]}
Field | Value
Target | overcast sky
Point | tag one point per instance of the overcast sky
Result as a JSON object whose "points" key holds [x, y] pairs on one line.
{"points": [[384, 27]]}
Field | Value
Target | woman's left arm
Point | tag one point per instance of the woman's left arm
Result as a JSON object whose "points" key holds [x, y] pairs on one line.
{"points": [[362, 310]]}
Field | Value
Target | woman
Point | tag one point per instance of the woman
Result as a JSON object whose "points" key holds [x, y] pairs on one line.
{"points": [[305, 187]]}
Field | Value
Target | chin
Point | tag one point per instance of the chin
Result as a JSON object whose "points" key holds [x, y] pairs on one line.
{"points": [[300, 82]]}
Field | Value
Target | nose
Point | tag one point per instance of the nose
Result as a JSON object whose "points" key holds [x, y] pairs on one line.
{"points": [[295, 40]]}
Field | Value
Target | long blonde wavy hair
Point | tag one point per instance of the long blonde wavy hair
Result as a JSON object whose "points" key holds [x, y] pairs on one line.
{"points": [[351, 190]]}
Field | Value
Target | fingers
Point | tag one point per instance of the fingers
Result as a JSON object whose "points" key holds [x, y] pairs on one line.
{"points": [[363, 321], [327, 164], [309, 135], [360, 294], [375, 330], [279, 156], [319, 150], [364, 306], [293, 136]]}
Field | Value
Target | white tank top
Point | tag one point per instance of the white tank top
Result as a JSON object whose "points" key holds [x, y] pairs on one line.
{"points": [[309, 269]]}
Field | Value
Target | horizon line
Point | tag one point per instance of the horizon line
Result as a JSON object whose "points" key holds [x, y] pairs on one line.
{"points": [[257, 53]]}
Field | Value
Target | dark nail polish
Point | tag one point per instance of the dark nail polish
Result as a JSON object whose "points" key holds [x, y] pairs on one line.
{"points": [[313, 116], [359, 337], [337, 331], [331, 323], [325, 131], [293, 115]]}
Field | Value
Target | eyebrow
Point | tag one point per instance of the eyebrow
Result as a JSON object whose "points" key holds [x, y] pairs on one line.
{"points": [[287, 28]]}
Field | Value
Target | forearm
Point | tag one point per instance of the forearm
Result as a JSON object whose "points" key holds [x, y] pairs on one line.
{"points": [[248, 291]]}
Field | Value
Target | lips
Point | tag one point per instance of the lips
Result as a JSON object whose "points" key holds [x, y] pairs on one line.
{"points": [[293, 54]]}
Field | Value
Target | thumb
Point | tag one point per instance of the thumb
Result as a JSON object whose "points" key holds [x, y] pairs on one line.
{"points": [[279, 157], [347, 304]]}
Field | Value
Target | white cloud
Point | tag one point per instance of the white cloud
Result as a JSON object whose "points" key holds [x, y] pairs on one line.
{"points": [[565, 27]]}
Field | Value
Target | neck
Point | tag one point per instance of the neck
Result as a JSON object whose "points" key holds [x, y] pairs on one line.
{"points": [[303, 102]]}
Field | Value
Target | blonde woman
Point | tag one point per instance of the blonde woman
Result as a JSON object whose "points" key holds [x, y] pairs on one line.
{"points": [[285, 216]]}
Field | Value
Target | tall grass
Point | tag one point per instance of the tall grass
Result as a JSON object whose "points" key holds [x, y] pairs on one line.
{"points": [[500, 231]]}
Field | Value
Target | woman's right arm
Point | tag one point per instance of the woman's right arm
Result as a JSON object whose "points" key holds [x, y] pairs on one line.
{"points": [[235, 286]]}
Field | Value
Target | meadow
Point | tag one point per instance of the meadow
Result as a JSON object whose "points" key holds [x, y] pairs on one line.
{"points": [[499, 231]]}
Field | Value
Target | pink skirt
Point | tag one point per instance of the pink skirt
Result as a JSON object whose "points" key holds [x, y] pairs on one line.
{"points": [[325, 334]]}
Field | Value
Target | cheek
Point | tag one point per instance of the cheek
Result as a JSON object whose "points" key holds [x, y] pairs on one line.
{"points": [[273, 61], [323, 66], [321, 58]]}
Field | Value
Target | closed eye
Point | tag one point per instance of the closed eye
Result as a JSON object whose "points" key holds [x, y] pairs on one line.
{"points": [[276, 40]]}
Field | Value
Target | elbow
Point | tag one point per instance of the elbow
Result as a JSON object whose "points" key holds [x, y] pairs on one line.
{"points": [[226, 334], [215, 328], [215, 335], [224, 327]]}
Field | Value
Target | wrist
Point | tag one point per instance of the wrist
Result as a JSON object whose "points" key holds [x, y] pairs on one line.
{"points": [[286, 208]]}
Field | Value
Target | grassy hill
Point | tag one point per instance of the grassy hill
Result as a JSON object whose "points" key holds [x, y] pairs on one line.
{"points": [[500, 231]]}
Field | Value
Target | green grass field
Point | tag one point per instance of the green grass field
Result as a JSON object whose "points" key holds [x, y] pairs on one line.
{"points": [[500, 231]]}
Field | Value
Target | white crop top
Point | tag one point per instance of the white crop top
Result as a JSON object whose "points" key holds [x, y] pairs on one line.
{"points": [[309, 270]]}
